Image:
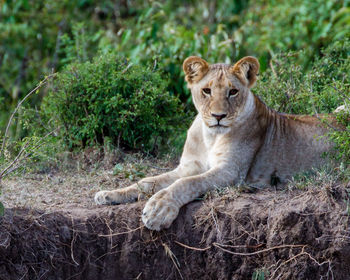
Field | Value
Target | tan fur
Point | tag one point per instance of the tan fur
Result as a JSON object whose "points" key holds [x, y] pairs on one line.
{"points": [[253, 143]]}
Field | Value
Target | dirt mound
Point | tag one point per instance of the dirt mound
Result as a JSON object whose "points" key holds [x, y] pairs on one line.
{"points": [[268, 235]]}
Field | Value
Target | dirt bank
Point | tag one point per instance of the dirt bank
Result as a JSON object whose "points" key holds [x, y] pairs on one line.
{"points": [[275, 234]]}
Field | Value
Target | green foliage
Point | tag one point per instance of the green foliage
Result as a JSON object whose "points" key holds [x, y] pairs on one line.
{"points": [[342, 137], [225, 31], [110, 97], [259, 274], [170, 34], [285, 87], [2, 209], [41, 36], [33, 36], [37, 151], [131, 172], [272, 26]]}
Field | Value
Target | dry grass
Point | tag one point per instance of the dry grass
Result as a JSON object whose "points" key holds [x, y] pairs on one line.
{"points": [[76, 183]]}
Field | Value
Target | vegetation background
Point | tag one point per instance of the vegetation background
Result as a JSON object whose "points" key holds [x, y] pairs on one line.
{"points": [[120, 82], [87, 80]]}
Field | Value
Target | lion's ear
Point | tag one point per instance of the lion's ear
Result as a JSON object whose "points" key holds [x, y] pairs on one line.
{"points": [[195, 68], [246, 69]]}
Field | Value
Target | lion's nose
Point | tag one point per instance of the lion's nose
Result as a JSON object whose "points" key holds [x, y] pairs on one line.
{"points": [[219, 116]]}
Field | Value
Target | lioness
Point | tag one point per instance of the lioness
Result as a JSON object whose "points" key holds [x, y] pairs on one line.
{"points": [[235, 138]]}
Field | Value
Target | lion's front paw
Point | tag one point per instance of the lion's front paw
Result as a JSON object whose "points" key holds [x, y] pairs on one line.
{"points": [[160, 211], [114, 197], [103, 197]]}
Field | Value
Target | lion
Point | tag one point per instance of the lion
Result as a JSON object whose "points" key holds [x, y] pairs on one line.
{"points": [[234, 139]]}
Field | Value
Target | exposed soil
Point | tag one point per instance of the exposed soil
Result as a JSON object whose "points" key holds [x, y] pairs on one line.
{"points": [[269, 234], [299, 235]]}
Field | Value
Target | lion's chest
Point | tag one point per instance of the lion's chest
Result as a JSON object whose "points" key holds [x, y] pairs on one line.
{"points": [[216, 150]]}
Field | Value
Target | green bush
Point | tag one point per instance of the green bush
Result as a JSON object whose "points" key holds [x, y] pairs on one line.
{"points": [[323, 88], [57, 33], [285, 87], [170, 34], [112, 99], [273, 26], [342, 137]]}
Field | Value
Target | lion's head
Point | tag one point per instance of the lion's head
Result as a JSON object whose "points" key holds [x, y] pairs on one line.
{"points": [[221, 92]]}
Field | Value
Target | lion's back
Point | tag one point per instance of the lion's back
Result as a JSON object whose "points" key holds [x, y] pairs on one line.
{"points": [[292, 143]]}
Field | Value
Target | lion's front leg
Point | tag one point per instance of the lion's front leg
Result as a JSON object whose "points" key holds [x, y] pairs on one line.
{"points": [[148, 185], [138, 190], [163, 207]]}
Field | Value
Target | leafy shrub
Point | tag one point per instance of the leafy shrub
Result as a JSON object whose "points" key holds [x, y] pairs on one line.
{"points": [[342, 137], [220, 31], [286, 88], [270, 26], [31, 40], [170, 33], [224, 31], [112, 99]]}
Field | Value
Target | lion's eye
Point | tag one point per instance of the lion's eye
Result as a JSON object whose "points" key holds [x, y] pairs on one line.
{"points": [[233, 92], [207, 91]]}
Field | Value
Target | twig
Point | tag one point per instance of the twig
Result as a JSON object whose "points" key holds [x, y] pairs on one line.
{"points": [[110, 230], [120, 233], [72, 244], [273, 69], [3, 146], [15, 160], [173, 258], [218, 245], [10, 168], [287, 261], [154, 65], [192, 248], [159, 168], [3, 244], [302, 253], [216, 224], [244, 246], [127, 67], [325, 121]]}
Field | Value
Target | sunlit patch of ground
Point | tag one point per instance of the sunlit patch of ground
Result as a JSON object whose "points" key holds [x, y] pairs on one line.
{"points": [[75, 187]]}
